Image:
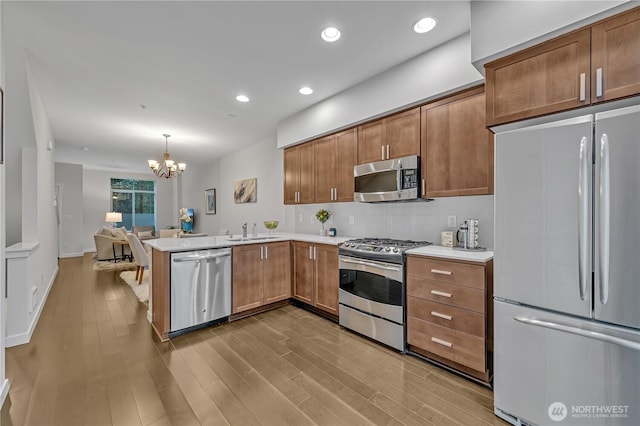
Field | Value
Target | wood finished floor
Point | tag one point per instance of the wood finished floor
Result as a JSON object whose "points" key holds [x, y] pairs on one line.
{"points": [[93, 360]]}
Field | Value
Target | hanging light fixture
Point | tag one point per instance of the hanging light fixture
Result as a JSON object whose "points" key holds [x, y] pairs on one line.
{"points": [[167, 168]]}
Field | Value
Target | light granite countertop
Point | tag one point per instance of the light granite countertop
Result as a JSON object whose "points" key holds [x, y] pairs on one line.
{"points": [[450, 253], [203, 243]]}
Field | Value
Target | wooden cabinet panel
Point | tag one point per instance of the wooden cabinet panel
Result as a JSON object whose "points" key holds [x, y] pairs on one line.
{"points": [[277, 272], [457, 148], [247, 278], [161, 292], [539, 80], [303, 272], [615, 47], [335, 157], [450, 272], [454, 345], [371, 138], [447, 316], [261, 275], [306, 171], [403, 134], [326, 278], [325, 158], [346, 159], [299, 174], [291, 175], [472, 299]]}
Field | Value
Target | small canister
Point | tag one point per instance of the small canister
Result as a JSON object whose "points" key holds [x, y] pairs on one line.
{"points": [[332, 232]]}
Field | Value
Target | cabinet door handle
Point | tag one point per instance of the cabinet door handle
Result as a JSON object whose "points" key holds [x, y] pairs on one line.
{"points": [[424, 187], [441, 342], [261, 253], [583, 87], [266, 252], [440, 293], [335, 194], [440, 272], [382, 152], [599, 82], [315, 253], [387, 152], [443, 316], [311, 252]]}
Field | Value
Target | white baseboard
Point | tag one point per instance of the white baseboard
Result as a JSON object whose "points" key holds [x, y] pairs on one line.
{"points": [[4, 391], [64, 256], [22, 338]]}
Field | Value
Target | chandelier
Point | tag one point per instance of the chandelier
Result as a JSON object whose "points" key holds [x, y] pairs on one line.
{"points": [[167, 168]]}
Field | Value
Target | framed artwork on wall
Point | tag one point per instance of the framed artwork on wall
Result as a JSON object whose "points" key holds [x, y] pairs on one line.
{"points": [[210, 201], [245, 191]]}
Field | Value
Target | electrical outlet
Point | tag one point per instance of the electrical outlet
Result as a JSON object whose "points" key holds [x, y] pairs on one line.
{"points": [[352, 220], [452, 221]]}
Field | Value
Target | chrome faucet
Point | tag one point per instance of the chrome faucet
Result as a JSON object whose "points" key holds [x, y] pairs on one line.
{"points": [[244, 230]]}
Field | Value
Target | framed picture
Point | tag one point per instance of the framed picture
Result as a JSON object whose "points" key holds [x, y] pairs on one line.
{"points": [[245, 191], [210, 201]]}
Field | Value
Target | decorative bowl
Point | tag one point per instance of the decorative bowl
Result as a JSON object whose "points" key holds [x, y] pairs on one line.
{"points": [[271, 224]]}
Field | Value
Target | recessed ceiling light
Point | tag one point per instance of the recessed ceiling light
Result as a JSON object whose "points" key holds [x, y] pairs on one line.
{"points": [[305, 90], [84, 148], [330, 34], [242, 98], [424, 25]]}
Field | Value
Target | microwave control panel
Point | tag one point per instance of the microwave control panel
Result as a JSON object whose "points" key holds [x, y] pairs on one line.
{"points": [[409, 178]]}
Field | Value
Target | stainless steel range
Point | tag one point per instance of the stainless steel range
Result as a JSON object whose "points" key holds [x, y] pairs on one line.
{"points": [[372, 288]]}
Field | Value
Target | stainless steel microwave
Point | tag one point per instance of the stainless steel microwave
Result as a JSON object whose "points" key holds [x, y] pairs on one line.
{"points": [[389, 180]]}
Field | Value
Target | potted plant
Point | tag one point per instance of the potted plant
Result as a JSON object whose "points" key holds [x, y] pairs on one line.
{"points": [[323, 216]]}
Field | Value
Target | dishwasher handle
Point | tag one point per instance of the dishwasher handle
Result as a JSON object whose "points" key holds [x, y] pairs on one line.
{"points": [[200, 258]]}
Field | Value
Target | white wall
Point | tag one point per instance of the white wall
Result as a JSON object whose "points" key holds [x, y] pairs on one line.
{"points": [[499, 28], [70, 179], [262, 161], [418, 220], [193, 183], [440, 71], [96, 196]]}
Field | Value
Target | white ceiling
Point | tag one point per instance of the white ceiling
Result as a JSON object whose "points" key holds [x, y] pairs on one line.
{"points": [[96, 63]]}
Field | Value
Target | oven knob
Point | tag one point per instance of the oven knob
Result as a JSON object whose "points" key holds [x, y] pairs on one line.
{"points": [[387, 249], [395, 250]]}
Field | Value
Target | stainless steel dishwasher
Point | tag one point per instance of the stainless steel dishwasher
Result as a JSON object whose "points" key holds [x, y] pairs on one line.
{"points": [[200, 288]]}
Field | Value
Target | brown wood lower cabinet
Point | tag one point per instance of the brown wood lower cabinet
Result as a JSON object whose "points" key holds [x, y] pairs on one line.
{"points": [[261, 275], [449, 313], [316, 275]]}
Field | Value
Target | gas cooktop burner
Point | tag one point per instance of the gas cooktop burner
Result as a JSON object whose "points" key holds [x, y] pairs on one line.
{"points": [[379, 248]]}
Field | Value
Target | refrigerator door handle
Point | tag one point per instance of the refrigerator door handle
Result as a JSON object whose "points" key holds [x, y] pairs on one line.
{"points": [[579, 332], [584, 249], [605, 214]]}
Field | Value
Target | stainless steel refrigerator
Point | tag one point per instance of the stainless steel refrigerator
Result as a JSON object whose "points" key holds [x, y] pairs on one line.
{"points": [[567, 270]]}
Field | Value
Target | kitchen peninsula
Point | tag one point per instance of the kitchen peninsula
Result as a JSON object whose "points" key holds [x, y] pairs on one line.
{"points": [[163, 248]]}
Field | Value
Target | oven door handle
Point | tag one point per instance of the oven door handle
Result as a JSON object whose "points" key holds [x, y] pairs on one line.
{"points": [[373, 264]]}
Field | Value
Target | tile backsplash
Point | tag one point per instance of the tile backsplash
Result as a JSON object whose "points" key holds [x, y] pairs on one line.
{"points": [[416, 220]]}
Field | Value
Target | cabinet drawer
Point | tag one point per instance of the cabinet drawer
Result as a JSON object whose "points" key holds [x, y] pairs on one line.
{"points": [[455, 295], [446, 272], [447, 316], [456, 346]]}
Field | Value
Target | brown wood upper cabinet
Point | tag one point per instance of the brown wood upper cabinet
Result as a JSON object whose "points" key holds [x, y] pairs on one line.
{"points": [[299, 174], [457, 149], [395, 136], [335, 155], [316, 279], [261, 275], [594, 64]]}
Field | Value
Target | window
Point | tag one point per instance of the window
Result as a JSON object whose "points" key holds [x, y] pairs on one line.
{"points": [[136, 200]]}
